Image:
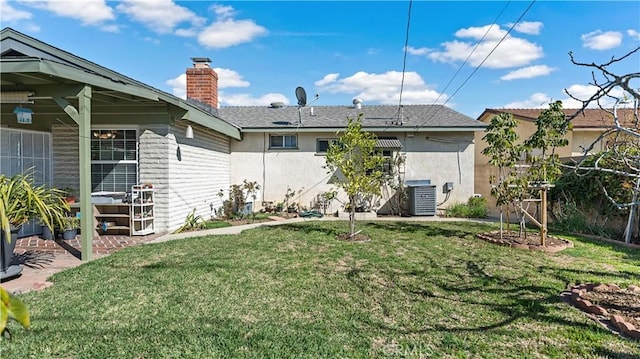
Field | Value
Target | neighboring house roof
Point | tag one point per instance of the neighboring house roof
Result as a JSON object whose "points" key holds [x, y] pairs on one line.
{"points": [[331, 118], [590, 118], [28, 63]]}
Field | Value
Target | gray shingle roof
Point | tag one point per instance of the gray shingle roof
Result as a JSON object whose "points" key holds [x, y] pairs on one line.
{"points": [[414, 117]]}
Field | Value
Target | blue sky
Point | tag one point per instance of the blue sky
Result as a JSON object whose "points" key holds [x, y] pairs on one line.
{"points": [[263, 50]]}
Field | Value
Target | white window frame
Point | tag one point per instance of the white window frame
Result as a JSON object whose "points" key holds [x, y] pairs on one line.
{"points": [[124, 161], [284, 141]]}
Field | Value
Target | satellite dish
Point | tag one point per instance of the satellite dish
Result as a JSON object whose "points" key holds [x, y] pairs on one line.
{"points": [[301, 95]]}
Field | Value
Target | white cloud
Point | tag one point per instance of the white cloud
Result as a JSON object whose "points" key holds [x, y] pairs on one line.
{"points": [[382, 88], [327, 79], [579, 91], [528, 72], [228, 78], [178, 86], [223, 11], [227, 31], [89, 12], [111, 28], [634, 34], [161, 16], [585, 92], [190, 32], [598, 40], [528, 27], [511, 52], [11, 14], [537, 100], [422, 51], [250, 100], [230, 32]]}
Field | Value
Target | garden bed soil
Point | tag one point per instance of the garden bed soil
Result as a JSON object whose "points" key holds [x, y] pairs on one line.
{"points": [[617, 309], [530, 241]]}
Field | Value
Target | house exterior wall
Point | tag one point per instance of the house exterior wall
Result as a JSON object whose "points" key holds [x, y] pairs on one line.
{"points": [[66, 160], [582, 139], [185, 173], [440, 157]]}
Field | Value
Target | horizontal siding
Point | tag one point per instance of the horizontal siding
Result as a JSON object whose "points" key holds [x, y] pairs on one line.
{"points": [[66, 157], [153, 165], [198, 169]]}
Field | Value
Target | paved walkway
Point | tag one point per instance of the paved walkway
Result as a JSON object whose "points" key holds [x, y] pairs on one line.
{"points": [[42, 258]]}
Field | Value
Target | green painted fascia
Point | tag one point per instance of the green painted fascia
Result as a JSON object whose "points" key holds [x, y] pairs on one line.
{"points": [[206, 120], [67, 72], [369, 129]]}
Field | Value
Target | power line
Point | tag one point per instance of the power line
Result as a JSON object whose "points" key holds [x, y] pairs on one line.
{"points": [[482, 62], [495, 21], [404, 60]]}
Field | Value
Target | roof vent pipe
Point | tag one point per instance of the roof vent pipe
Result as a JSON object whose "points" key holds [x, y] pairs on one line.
{"points": [[357, 103]]}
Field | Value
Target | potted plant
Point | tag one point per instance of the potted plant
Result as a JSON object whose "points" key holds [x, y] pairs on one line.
{"points": [[69, 195], [20, 201], [70, 227], [48, 233]]}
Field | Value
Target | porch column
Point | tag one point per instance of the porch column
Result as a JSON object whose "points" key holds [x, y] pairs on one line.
{"points": [[86, 210], [82, 116]]}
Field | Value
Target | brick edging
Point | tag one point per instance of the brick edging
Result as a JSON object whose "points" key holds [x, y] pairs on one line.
{"points": [[616, 323]]}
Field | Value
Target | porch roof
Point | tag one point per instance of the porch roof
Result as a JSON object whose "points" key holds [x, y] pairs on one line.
{"points": [[47, 72]]}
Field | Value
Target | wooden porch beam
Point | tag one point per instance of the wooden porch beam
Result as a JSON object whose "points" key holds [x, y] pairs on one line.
{"points": [[82, 116]]}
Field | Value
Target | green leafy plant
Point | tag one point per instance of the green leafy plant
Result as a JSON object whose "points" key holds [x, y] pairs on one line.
{"points": [[354, 157], [21, 200], [238, 196], [550, 135], [70, 223], [191, 223], [12, 308], [504, 152], [476, 207]]}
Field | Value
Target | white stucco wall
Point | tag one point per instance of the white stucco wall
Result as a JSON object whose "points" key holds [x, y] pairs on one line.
{"points": [[444, 157]]}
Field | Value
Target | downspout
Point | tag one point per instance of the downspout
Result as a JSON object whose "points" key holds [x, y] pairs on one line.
{"points": [[264, 168]]}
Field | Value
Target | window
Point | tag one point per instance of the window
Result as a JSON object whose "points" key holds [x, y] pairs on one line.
{"points": [[283, 141], [322, 144], [114, 160]]}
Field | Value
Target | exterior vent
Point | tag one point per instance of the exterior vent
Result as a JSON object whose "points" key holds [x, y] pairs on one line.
{"points": [[422, 198], [277, 105]]}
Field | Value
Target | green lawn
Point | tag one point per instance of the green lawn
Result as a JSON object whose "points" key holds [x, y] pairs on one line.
{"points": [[416, 290]]}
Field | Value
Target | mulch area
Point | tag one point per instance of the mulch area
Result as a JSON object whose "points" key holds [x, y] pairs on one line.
{"points": [[530, 241]]}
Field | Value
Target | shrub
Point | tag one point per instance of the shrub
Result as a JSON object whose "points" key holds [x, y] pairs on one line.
{"points": [[569, 218], [476, 207]]}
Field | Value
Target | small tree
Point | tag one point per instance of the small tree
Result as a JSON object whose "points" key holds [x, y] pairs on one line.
{"points": [[550, 134], [503, 152], [354, 156]]}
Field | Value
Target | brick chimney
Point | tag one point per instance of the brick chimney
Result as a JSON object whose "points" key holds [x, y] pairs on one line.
{"points": [[202, 82]]}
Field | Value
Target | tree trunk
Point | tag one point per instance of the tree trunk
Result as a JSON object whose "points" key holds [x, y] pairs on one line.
{"points": [[352, 216]]}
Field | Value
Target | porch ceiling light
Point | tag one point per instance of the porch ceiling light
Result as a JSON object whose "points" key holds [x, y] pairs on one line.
{"points": [[15, 96], [23, 114], [189, 133]]}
